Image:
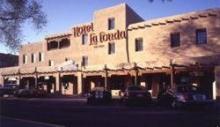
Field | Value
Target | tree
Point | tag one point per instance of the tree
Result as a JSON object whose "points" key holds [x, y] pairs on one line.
{"points": [[13, 14]]}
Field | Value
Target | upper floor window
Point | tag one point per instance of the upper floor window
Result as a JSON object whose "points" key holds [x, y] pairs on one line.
{"points": [[25, 59], [41, 56], [201, 36], [138, 44], [84, 60], [111, 48], [111, 23], [33, 58], [51, 63], [84, 39], [64, 43], [52, 45], [175, 39]]}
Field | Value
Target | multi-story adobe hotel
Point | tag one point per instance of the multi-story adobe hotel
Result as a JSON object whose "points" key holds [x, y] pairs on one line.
{"points": [[119, 48]]}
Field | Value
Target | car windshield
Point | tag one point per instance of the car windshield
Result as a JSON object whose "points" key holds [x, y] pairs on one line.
{"points": [[10, 86], [187, 89], [134, 88]]}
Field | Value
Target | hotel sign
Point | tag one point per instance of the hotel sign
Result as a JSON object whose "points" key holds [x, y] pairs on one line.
{"points": [[100, 37]]}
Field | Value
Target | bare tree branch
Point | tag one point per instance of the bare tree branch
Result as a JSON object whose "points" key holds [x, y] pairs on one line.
{"points": [[13, 14]]}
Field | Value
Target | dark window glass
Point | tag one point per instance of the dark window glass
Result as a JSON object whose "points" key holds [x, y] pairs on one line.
{"points": [[32, 58], [175, 39], [111, 23], [40, 56], [24, 59], [84, 39], [52, 45], [64, 43], [84, 60], [201, 36], [50, 63], [111, 48], [138, 44]]}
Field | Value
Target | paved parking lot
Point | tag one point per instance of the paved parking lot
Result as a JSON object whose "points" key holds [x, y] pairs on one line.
{"points": [[73, 112]]}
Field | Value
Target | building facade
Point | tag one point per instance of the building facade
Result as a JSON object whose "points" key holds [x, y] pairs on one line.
{"points": [[118, 48]]}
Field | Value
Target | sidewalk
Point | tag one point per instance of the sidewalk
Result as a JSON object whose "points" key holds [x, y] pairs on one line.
{"points": [[13, 122]]}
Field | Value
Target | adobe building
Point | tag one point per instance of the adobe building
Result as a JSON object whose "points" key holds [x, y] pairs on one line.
{"points": [[119, 48]]}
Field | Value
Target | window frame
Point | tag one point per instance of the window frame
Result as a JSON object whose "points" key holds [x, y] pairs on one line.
{"points": [[85, 60], [25, 58], [139, 45], [201, 36], [111, 48], [111, 23], [84, 39], [175, 39], [33, 58]]}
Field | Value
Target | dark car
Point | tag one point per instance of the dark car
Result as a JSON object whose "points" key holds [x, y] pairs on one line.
{"points": [[30, 93], [8, 89], [184, 96], [99, 95], [136, 95]]}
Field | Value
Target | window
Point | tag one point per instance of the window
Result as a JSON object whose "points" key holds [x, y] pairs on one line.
{"points": [[111, 48], [25, 59], [41, 56], [33, 58], [201, 36], [111, 23], [175, 39], [64, 43], [51, 63], [52, 45], [84, 39], [138, 44], [84, 60]]}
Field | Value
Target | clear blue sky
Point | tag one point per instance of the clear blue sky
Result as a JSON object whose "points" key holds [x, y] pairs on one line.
{"points": [[63, 14]]}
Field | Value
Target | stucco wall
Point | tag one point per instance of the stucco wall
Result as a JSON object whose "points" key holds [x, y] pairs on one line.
{"points": [[156, 39]]}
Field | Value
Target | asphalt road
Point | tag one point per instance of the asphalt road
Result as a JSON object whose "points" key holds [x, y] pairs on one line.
{"points": [[75, 113]]}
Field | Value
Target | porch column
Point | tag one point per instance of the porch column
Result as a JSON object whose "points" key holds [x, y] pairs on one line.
{"points": [[2, 79], [136, 74], [36, 77], [19, 77], [172, 73], [217, 81], [106, 77], [79, 82], [57, 86]]}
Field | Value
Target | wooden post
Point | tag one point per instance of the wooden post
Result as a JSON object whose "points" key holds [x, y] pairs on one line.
{"points": [[136, 74], [36, 77], [172, 73], [106, 77], [19, 77]]}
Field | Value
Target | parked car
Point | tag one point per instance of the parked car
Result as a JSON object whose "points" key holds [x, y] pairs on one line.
{"points": [[184, 96], [8, 89], [136, 95], [30, 93], [99, 95]]}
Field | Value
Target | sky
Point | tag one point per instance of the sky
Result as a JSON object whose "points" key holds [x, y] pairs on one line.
{"points": [[63, 14]]}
